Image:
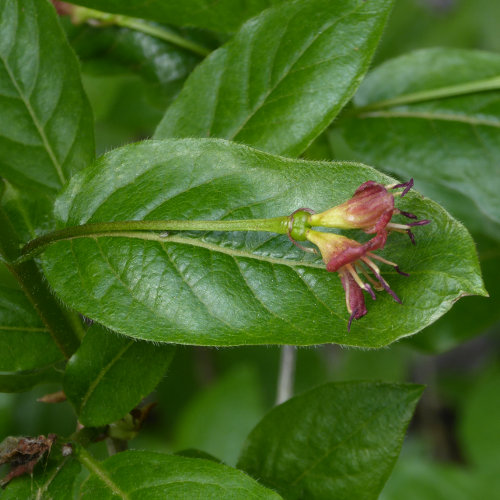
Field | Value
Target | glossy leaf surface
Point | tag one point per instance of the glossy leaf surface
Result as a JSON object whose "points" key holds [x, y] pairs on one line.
{"points": [[110, 374], [142, 474], [336, 441], [46, 127], [283, 77], [240, 288], [433, 115], [223, 15]]}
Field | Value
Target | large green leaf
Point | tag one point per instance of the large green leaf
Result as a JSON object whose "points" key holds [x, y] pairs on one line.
{"points": [[142, 474], [433, 115], [46, 127], [25, 342], [282, 79], [336, 441], [223, 15], [110, 374], [240, 288]]}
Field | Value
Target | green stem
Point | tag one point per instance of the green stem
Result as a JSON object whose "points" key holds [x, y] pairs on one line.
{"points": [[133, 228], [36, 289], [429, 95], [82, 14]]}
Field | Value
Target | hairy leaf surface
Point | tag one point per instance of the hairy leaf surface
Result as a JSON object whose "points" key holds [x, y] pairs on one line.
{"points": [[46, 126], [142, 474], [284, 76], [433, 115], [231, 288], [336, 441], [110, 374]]}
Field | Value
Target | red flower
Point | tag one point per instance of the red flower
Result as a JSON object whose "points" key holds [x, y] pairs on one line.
{"points": [[371, 209], [350, 258]]}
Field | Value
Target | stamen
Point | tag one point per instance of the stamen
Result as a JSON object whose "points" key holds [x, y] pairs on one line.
{"points": [[420, 223], [387, 288], [375, 284], [412, 236], [406, 185], [357, 279], [369, 289], [388, 262], [401, 272], [395, 227], [408, 214]]}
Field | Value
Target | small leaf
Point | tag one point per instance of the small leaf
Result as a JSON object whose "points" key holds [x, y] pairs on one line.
{"points": [[284, 76], [46, 126], [25, 342], [336, 441], [433, 114], [240, 288], [110, 374], [156, 475]]}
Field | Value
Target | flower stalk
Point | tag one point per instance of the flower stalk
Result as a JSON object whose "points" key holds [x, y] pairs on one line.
{"points": [[370, 209]]}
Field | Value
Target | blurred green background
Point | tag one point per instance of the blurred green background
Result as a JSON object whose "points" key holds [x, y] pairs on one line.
{"points": [[211, 398]]}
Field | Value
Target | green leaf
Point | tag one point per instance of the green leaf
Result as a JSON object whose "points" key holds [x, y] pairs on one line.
{"points": [[46, 126], [282, 79], [53, 480], [433, 115], [110, 374], [218, 420], [142, 474], [235, 288], [108, 50], [25, 342], [336, 441], [223, 15]]}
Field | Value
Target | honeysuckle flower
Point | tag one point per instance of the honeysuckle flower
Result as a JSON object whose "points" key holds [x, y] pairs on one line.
{"points": [[371, 209], [350, 259]]}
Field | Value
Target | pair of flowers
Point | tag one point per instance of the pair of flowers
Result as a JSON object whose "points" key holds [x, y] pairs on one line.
{"points": [[371, 209]]}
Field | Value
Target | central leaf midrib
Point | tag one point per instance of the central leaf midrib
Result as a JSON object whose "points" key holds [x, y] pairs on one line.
{"points": [[38, 126], [430, 115], [102, 373]]}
